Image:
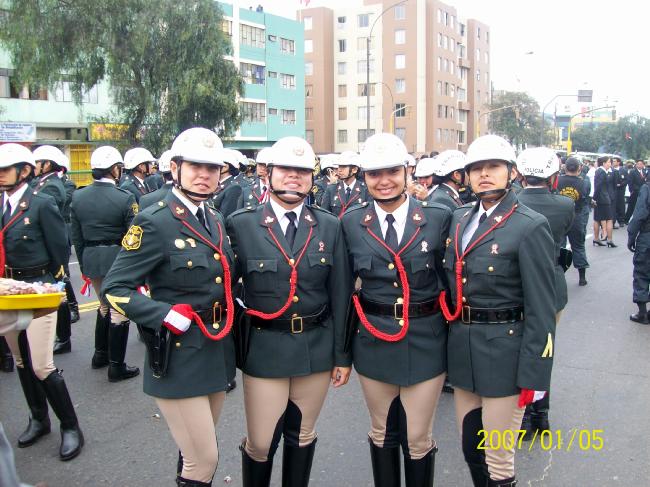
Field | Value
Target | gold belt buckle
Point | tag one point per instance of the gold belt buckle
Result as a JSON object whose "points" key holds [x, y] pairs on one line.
{"points": [[398, 316], [216, 306], [297, 319], [465, 315]]}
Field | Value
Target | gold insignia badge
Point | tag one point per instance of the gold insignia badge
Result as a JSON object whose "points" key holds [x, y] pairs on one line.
{"points": [[299, 151], [180, 211], [179, 243], [447, 242], [548, 350], [308, 218], [269, 219], [498, 219], [417, 217], [250, 196], [314, 189], [367, 218], [135, 208], [23, 204], [191, 241], [133, 238]]}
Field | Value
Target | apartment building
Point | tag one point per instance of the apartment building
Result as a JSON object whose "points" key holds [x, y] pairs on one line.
{"points": [[427, 85]]}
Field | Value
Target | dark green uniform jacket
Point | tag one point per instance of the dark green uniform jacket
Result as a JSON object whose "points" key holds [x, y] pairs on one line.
{"points": [[422, 353], [318, 190], [134, 186], [179, 268], [229, 197], [156, 196], [52, 185], [36, 238], [70, 188], [559, 211], [100, 216], [512, 266], [253, 194], [444, 195], [323, 280], [335, 201], [153, 182]]}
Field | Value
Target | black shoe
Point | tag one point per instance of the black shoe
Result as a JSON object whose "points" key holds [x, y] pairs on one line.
{"points": [[597, 243], [181, 482], [611, 244], [296, 464], [582, 280], [527, 426], [255, 474], [511, 482], [539, 421], [63, 330], [447, 387], [640, 318], [385, 465], [74, 312], [231, 386], [100, 357], [72, 439], [419, 473], [118, 336], [61, 347]]}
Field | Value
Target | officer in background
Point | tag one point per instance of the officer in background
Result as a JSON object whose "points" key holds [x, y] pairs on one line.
{"points": [[396, 244], [349, 191], [230, 195], [426, 181], [328, 166], [501, 271], [257, 193], [638, 241], [540, 167], [35, 248], [241, 178], [577, 187], [620, 183], [296, 279], [636, 178], [154, 180], [136, 164], [101, 214], [180, 249], [164, 168], [450, 170]]}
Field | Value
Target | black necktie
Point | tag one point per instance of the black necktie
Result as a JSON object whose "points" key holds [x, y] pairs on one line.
{"points": [[482, 218], [348, 190], [290, 233], [201, 217], [6, 216], [391, 233]]}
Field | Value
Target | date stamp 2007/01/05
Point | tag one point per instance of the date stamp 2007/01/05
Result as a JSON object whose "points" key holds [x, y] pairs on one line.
{"points": [[583, 439]]}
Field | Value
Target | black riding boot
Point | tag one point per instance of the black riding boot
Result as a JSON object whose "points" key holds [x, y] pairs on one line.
{"points": [[475, 457], [72, 301], [539, 413], [511, 482], [255, 474], [100, 357], [72, 439], [118, 336], [181, 482], [582, 280], [385, 465], [6, 359], [63, 330], [296, 464], [642, 315], [419, 473]]}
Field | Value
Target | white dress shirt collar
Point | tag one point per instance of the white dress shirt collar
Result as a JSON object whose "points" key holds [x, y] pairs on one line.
{"points": [[14, 199], [280, 214], [193, 207], [474, 222], [400, 215]]}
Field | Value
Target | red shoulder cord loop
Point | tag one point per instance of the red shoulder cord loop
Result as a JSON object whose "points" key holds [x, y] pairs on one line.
{"points": [[293, 279], [230, 305], [458, 270], [406, 296], [2, 242]]}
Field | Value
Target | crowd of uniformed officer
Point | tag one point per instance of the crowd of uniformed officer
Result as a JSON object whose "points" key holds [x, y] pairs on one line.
{"points": [[411, 274]]}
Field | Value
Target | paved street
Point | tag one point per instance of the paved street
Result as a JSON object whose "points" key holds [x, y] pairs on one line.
{"points": [[600, 381]]}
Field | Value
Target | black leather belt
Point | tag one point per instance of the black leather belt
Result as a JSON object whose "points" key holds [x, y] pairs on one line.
{"points": [[99, 243], [492, 316], [26, 272], [396, 310], [214, 315], [295, 324]]}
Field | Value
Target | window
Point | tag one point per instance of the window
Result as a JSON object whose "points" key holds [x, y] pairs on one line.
{"points": [[309, 113], [309, 89], [273, 111], [400, 132], [487, 58], [451, 112], [273, 74], [342, 136], [307, 22], [463, 73], [400, 12], [445, 42], [362, 112], [400, 36], [272, 38], [341, 68], [400, 110], [288, 81], [446, 111], [452, 67], [400, 61], [452, 21], [478, 75], [441, 111], [309, 45], [452, 45], [478, 32], [446, 88], [251, 36], [461, 137], [253, 74], [288, 117], [439, 15], [343, 91], [343, 113], [5, 83], [478, 54], [487, 37], [287, 46], [309, 69], [361, 66], [363, 134], [309, 136], [445, 64], [362, 43], [452, 90], [400, 85], [253, 112], [439, 87], [361, 89], [478, 96], [439, 63], [363, 20], [462, 116], [340, 23], [438, 135], [226, 27], [342, 45], [63, 92]]}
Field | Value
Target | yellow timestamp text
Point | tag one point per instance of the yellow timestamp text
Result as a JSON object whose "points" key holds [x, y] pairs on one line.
{"points": [[582, 439]]}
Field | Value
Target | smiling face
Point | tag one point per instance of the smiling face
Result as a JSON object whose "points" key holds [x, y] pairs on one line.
{"points": [[298, 180], [385, 183], [198, 178]]}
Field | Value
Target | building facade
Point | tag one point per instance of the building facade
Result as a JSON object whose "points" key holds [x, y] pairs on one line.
{"points": [[427, 84]]}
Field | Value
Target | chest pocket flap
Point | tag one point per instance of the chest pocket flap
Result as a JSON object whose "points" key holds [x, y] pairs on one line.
{"points": [[506, 330], [421, 262], [188, 261], [262, 265], [494, 265], [320, 258], [362, 262]]}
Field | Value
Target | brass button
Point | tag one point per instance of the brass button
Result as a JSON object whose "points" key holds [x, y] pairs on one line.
{"points": [[401, 322], [395, 284], [464, 299], [322, 260], [178, 344], [427, 266], [295, 315], [215, 326], [462, 263], [189, 263], [391, 266], [217, 256], [443, 261], [464, 279], [358, 331], [261, 264], [511, 332], [292, 262], [400, 300], [490, 269], [296, 299], [160, 203], [218, 280], [24, 237]]}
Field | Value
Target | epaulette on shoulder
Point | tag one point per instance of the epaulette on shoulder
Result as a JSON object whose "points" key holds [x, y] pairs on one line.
{"points": [[244, 210], [362, 206], [432, 205], [123, 190], [156, 207]]}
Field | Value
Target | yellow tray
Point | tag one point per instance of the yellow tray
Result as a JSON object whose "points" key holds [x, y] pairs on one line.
{"points": [[31, 301]]}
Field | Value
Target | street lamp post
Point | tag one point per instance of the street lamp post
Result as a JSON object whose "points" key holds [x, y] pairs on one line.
{"points": [[392, 116], [569, 144], [392, 104], [541, 134], [368, 63]]}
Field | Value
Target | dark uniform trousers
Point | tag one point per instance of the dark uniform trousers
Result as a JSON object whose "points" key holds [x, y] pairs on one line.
{"points": [[639, 228], [286, 373], [166, 249], [577, 188], [509, 271], [401, 380]]}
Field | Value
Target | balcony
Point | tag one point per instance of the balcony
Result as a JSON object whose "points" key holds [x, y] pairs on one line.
{"points": [[464, 62]]}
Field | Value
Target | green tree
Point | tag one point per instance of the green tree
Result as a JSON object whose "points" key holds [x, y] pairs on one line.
{"points": [[163, 60], [629, 136], [520, 124]]}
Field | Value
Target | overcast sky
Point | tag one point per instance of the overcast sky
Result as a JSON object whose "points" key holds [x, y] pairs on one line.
{"points": [[576, 44]]}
